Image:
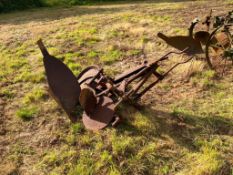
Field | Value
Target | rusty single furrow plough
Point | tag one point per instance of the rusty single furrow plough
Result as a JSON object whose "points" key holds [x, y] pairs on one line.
{"points": [[99, 95], [96, 93], [216, 41]]}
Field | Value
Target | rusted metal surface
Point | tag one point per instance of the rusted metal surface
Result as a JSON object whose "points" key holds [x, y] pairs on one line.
{"points": [[102, 115], [128, 73], [216, 40], [87, 74], [96, 93], [220, 44], [62, 83], [87, 99]]}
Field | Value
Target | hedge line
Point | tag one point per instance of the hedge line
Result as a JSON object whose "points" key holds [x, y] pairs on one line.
{"points": [[10, 5]]}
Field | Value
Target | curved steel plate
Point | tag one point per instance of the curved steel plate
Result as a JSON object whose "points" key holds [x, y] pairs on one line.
{"points": [[88, 99], [62, 83], [86, 75], [101, 116]]}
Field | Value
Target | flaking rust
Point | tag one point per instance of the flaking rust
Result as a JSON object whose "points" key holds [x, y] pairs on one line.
{"points": [[98, 94]]}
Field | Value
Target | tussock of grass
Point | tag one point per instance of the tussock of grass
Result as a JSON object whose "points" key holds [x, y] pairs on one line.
{"points": [[57, 157], [85, 164], [207, 162], [34, 96], [71, 139], [191, 69], [205, 79], [76, 128], [53, 50], [74, 67], [92, 54], [111, 57], [27, 76], [121, 145], [26, 113], [7, 93]]}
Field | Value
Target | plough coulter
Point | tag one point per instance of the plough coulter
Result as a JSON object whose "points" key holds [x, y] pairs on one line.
{"points": [[98, 94], [216, 42]]}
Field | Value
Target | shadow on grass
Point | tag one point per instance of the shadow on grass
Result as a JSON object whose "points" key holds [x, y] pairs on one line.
{"points": [[182, 128], [57, 13]]}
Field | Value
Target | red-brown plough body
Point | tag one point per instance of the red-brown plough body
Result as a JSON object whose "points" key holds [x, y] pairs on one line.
{"points": [[96, 93]]}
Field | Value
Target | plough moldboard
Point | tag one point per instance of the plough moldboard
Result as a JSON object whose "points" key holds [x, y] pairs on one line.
{"points": [[216, 42], [96, 93]]}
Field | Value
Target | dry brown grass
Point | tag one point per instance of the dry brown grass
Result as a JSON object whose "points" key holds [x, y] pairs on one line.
{"points": [[182, 127]]}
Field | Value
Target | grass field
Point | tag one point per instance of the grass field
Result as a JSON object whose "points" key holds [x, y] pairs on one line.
{"points": [[184, 125]]}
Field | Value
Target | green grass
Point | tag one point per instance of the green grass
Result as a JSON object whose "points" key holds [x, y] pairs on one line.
{"points": [[35, 95], [7, 93], [111, 56], [76, 128], [26, 113], [28, 76], [207, 162]]}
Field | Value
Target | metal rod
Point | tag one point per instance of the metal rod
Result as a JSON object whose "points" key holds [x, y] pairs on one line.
{"points": [[85, 80], [139, 74], [139, 84], [148, 88], [177, 65], [169, 53], [160, 79], [156, 74], [100, 71]]}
